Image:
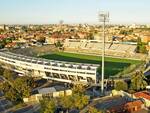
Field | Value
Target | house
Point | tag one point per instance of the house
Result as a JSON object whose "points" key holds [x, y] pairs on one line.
{"points": [[50, 92], [3, 37], [11, 45], [145, 38], [144, 95], [112, 104], [133, 106]]}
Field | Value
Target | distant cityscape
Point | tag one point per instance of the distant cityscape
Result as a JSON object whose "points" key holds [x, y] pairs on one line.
{"points": [[85, 63], [62, 61]]}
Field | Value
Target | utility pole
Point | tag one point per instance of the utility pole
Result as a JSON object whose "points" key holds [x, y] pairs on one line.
{"points": [[103, 17]]}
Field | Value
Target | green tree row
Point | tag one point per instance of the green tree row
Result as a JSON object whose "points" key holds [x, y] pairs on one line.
{"points": [[138, 82], [141, 47], [76, 101], [16, 88], [5, 41]]}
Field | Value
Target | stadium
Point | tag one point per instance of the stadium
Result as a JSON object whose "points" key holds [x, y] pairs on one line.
{"points": [[79, 61]]}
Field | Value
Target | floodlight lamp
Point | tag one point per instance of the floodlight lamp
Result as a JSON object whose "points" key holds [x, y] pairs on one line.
{"points": [[104, 16]]}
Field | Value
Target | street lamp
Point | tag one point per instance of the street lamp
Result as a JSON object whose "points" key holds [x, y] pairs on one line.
{"points": [[103, 17]]}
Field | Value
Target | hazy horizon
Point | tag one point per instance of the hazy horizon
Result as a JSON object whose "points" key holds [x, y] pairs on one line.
{"points": [[73, 11]]}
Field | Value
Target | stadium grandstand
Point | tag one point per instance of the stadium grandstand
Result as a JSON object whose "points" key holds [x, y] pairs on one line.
{"points": [[50, 69], [115, 49]]}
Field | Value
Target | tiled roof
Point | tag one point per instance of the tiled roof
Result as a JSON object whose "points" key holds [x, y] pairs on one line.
{"points": [[2, 36], [143, 94], [11, 44], [134, 103]]}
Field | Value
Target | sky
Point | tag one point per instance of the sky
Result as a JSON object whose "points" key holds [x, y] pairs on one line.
{"points": [[73, 11]]}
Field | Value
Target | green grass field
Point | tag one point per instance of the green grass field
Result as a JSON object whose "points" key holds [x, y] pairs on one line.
{"points": [[112, 65]]}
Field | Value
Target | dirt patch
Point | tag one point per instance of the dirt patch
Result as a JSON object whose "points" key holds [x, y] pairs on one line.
{"points": [[35, 51]]}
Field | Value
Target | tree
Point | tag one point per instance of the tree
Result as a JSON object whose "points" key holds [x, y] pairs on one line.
{"points": [[138, 81], [90, 36], [1, 71], [41, 39], [48, 106], [67, 102], [99, 70], [9, 92], [93, 110], [17, 89], [58, 44], [80, 101], [9, 75], [2, 44], [126, 32], [121, 85], [141, 47], [123, 32], [75, 101], [78, 89], [22, 87], [30, 81], [12, 95]]}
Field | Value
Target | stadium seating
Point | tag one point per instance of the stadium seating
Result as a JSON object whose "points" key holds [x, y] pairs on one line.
{"points": [[95, 47]]}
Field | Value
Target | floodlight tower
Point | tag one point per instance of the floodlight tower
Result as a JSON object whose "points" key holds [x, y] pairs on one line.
{"points": [[61, 22], [103, 17]]}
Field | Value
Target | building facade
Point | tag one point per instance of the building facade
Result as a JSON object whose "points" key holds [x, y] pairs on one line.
{"points": [[50, 69]]}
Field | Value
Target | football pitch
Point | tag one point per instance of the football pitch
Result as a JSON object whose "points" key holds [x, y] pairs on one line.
{"points": [[112, 65]]}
